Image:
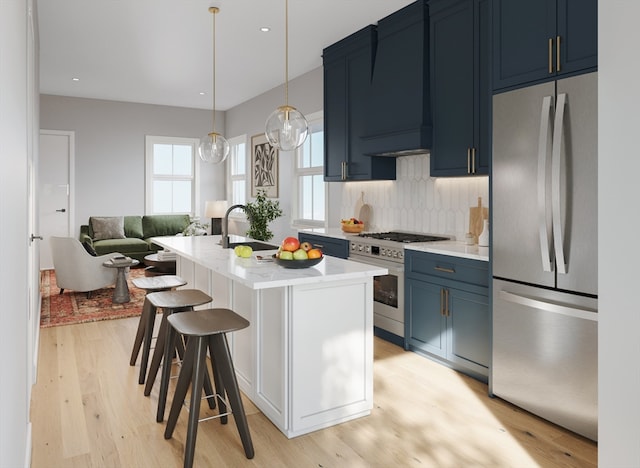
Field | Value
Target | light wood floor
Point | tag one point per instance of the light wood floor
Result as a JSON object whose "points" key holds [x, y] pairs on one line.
{"points": [[89, 411]]}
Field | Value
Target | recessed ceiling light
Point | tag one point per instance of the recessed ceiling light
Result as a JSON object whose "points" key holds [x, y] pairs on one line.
{"points": [[265, 29], [202, 93], [75, 79]]}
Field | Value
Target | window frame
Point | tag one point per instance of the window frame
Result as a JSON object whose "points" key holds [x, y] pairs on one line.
{"points": [[297, 221], [150, 141], [242, 139]]}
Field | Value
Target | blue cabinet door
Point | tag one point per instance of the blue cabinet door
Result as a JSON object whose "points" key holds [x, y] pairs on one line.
{"points": [[540, 40], [469, 329], [347, 88], [460, 87], [424, 323]]}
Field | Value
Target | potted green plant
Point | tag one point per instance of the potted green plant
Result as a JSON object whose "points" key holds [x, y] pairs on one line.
{"points": [[260, 213]]}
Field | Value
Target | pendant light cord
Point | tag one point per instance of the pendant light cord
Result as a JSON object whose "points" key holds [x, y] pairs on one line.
{"points": [[286, 52], [214, 10]]}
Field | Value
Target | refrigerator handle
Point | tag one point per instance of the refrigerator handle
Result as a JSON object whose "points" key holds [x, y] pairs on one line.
{"points": [[544, 218], [556, 154], [585, 313]]}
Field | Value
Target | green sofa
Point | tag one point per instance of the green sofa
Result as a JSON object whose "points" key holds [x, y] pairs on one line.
{"points": [[131, 234]]}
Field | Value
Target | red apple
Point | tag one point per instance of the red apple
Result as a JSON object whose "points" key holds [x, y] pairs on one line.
{"points": [[290, 244]]}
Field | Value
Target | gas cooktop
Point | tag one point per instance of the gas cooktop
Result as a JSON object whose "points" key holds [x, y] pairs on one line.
{"points": [[403, 237]]}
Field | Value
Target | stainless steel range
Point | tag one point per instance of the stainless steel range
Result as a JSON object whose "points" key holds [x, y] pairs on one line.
{"points": [[386, 249]]}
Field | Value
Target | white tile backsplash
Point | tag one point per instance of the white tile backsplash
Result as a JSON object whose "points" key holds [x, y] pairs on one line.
{"points": [[417, 202]]}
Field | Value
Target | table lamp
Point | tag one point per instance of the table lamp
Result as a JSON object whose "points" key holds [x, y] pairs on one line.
{"points": [[215, 210]]}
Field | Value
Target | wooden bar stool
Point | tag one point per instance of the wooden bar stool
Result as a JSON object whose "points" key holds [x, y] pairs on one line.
{"points": [[170, 302], [148, 317], [206, 329]]}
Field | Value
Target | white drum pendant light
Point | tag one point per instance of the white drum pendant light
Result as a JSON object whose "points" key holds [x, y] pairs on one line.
{"points": [[286, 127], [214, 148]]}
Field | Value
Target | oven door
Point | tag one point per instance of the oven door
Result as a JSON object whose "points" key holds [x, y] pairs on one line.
{"points": [[388, 295]]}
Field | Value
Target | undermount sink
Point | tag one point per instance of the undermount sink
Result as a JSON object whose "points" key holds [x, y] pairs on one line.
{"points": [[255, 245]]}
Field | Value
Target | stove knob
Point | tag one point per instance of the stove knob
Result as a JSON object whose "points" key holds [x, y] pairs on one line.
{"points": [[395, 254], [360, 247], [401, 254]]}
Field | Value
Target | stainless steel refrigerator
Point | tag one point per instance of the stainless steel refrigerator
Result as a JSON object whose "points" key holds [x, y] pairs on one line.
{"points": [[544, 216]]}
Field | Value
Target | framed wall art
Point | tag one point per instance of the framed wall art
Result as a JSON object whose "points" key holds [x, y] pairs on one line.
{"points": [[264, 167]]}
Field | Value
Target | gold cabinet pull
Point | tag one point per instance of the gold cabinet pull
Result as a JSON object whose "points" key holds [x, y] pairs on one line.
{"points": [[557, 53], [473, 160], [343, 170], [446, 302], [444, 270], [468, 160], [550, 55], [442, 302]]}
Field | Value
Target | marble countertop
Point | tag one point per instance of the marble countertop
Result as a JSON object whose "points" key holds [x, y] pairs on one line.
{"points": [[453, 248], [207, 252]]}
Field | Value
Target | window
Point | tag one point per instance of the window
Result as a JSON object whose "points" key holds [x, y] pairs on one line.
{"points": [[171, 175], [309, 176], [237, 171]]}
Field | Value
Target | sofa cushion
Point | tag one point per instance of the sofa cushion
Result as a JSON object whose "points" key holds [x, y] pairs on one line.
{"points": [[133, 226], [108, 227], [164, 225], [124, 246]]}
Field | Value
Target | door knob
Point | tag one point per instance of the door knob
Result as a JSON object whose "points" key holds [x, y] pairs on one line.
{"points": [[63, 210]]}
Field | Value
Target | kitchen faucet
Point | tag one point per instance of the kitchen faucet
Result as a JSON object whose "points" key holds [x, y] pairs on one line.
{"points": [[225, 225]]}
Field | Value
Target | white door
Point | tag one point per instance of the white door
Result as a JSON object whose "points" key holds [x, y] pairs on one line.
{"points": [[55, 189]]}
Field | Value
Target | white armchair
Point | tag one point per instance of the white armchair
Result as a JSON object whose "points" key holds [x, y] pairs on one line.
{"points": [[77, 269]]}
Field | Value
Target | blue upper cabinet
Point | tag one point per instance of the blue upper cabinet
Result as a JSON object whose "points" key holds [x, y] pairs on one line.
{"points": [[347, 78], [460, 87], [541, 40]]}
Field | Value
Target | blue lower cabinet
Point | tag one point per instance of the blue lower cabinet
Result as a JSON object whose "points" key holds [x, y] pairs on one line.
{"points": [[329, 245], [448, 320]]}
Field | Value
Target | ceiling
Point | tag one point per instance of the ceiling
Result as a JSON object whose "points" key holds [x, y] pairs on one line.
{"points": [[160, 51]]}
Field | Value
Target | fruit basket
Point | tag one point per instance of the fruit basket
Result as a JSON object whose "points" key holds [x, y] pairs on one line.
{"points": [[298, 263], [353, 228]]}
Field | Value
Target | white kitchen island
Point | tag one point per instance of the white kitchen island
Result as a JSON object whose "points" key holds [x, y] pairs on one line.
{"points": [[306, 360]]}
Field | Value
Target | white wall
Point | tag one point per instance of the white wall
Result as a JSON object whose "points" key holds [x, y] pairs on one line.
{"points": [[110, 145], [15, 126], [248, 119], [618, 255]]}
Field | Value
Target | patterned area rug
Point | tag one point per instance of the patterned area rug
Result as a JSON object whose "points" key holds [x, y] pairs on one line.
{"points": [[73, 307]]}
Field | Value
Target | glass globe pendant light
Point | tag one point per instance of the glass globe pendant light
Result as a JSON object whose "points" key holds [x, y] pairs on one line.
{"points": [[213, 148], [286, 127]]}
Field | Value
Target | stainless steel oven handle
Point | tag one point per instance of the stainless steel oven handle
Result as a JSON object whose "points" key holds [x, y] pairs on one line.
{"points": [[394, 268]]}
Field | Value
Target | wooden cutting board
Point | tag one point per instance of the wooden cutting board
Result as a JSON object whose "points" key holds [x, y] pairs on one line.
{"points": [[477, 215], [362, 211]]}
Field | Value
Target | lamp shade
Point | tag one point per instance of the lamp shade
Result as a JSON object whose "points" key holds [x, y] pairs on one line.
{"points": [[286, 128], [215, 209]]}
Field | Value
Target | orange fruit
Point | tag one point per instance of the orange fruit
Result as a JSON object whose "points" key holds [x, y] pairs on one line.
{"points": [[314, 253]]}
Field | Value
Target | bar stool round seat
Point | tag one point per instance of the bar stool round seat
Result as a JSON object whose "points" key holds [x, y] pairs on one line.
{"points": [[144, 334], [170, 302], [206, 329]]}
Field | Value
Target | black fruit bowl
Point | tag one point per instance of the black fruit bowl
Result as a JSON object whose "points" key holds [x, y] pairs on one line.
{"points": [[298, 263]]}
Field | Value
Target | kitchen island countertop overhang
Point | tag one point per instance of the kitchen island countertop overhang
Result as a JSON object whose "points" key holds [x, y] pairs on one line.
{"points": [[306, 360]]}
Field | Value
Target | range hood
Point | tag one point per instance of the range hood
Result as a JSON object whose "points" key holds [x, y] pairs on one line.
{"points": [[399, 112]]}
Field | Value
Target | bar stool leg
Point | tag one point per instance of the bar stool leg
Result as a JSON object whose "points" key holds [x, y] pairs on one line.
{"points": [[150, 319], [184, 379], [142, 325], [157, 354], [170, 345], [218, 347], [197, 380]]}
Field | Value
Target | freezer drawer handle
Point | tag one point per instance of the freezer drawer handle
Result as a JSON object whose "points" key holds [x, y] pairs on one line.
{"points": [[544, 213], [585, 313]]}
